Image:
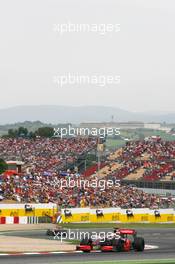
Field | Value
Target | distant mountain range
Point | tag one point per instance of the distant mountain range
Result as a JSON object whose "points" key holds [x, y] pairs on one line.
{"points": [[70, 114]]}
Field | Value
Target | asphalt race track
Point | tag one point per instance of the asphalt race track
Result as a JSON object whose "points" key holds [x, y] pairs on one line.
{"points": [[164, 239]]}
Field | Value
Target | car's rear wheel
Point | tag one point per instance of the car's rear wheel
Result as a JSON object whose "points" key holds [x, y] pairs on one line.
{"points": [[139, 244], [117, 244]]}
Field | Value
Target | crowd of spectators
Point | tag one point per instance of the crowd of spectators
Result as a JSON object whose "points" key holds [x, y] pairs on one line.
{"points": [[43, 155], [159, 162], [41, 184], [44, 189]]}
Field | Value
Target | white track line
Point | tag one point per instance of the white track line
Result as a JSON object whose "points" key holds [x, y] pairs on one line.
{"points": [[147, 247]]}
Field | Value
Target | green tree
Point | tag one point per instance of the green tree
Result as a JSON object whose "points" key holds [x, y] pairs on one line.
{"points": [[45, 132], [32, 135], [12, 133], [22, 132]]}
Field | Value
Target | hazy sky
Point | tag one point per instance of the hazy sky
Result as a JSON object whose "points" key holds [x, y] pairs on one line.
{"points": [[142, 53]]}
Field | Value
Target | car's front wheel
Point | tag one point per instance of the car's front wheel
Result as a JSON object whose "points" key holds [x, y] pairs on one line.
{"points": [[139, 244], [87, 243]]}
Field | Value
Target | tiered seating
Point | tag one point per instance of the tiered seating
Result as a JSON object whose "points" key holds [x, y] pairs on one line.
{"points": [[150, 160], [115, 155], [157, 173], [93, 169], [126, 169], [136, 175], [108, 169], [153, 160]]}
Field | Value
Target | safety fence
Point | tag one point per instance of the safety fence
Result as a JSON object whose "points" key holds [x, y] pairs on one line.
{"points": [[102, 215], [47, 213], [28, 210]]}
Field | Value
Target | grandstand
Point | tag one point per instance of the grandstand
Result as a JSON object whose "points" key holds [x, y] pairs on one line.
{"points": [[147, 161], [152, 160]]}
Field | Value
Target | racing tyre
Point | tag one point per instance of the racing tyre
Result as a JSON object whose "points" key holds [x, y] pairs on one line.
{"points": [[117, 244], [139, 244], [86, 242]]}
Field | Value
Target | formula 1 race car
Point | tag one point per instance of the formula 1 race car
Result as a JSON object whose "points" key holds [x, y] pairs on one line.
{"points": [[121, 240], [58, 231]]}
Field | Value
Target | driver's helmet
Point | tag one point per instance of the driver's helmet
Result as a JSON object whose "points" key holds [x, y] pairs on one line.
{"points": [[116, 229]]}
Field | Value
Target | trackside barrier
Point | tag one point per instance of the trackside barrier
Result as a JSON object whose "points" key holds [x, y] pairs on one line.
{"points": [[101, 215], [35, 210], [75, 215], [19, 220], [105, 215], [2, 220], [32, 220], [162, 215], [23, 220], [13, 220], [36, 213]]}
